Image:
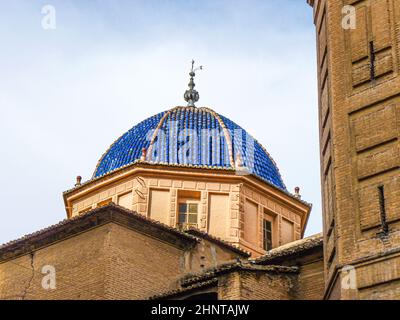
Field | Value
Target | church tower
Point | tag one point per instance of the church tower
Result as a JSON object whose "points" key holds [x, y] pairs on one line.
{"points": [[358, 48]]}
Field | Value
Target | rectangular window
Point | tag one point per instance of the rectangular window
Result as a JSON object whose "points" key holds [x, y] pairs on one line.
{"points": [[267, 235], [188, 215], [269, 227], [382, 206]]}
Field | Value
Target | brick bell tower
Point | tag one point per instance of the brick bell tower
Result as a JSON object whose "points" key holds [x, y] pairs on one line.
{"points": [[358, 45]]}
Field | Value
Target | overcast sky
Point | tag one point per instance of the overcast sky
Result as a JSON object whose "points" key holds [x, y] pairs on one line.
{"points": [[67, 93]]}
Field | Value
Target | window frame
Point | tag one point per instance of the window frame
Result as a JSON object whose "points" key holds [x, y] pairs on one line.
{"points": [[188, 202], [265, 242], [272, 217]]}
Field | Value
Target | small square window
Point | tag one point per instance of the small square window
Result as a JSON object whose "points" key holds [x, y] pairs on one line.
{"points": [[182, 208], [187, 215], [182, 218], [192, 218], [193, 208]]}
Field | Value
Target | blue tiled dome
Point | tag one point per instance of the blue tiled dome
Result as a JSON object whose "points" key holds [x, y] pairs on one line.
{"points": [[191, 136]]}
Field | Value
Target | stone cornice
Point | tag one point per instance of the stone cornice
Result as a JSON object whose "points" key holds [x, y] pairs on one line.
{"points": [[184, 171]]}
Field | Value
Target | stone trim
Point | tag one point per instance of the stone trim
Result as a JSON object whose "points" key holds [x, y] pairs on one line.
{"points": [[197, 169]]}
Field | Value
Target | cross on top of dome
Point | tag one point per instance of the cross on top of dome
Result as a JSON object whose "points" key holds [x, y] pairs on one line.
{"points": [[192, 96]]}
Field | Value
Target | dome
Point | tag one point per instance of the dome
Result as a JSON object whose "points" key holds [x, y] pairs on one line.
{"points": [[190, 136]]}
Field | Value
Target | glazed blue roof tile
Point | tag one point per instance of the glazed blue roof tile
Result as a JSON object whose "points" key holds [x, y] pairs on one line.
{"points": [[191, 136]]}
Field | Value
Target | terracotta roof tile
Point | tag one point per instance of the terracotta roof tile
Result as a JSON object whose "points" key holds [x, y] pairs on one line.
{"points": [[98, 217], [219, 241], [233, 266], [172, 293], [90, 219], [209, 277], [292, 248]]}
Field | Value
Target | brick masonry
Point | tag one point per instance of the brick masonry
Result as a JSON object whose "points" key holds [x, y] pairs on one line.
{"points": [[108, 262], [359, 111]]}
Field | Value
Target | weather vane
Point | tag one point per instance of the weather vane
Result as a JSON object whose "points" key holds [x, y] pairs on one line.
{"points": [[192, 96]]}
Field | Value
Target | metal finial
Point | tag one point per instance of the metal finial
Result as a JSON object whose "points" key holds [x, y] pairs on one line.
{"points": [[192, 96]]}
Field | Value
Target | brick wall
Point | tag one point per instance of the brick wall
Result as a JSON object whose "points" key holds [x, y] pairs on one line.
{"points": [[80, 269], [139, 266], [229, 286], [310, 281], [254, 285], [266, 286], [107, 262], [359, 111]]}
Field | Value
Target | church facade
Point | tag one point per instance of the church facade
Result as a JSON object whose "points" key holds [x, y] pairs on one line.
{"points": [[188, 205]]}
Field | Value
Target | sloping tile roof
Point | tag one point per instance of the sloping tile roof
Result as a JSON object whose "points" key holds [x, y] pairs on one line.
{"points": [[101, 216], [91, 219], [172, 293], [219, 241], [209, 277], [233, 266], [292, 248]]}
